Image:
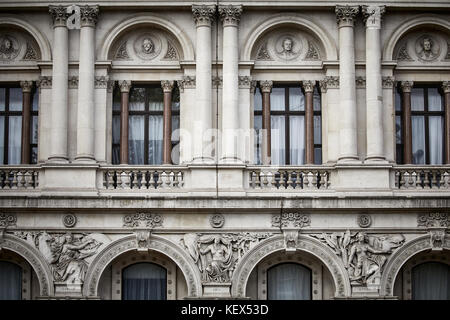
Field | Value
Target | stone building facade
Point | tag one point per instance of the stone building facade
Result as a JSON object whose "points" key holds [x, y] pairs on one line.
{"points": [[282, 150]]}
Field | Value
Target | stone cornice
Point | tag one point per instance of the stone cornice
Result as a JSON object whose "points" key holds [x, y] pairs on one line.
{"points": [[89, 15], [203, 14], [59, 15], [345, 15], [230, 15]]}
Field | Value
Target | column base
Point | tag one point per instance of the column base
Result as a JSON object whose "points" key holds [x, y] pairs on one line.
{"points": [[230, 160], [375, 159], [349, 159], [202, 160], [85, 159], [57, 159]]}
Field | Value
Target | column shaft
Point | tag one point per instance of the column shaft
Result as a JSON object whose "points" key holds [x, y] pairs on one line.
{"points": [[446, 88], [26, 119], [266, 88], [167, 131], [124, 98], [406, 124], [308, 86]]}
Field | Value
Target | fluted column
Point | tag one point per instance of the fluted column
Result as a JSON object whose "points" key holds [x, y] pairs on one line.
{"points": [[348, 149], [230, 16], [26, 118], [86, 85], [266, 88], [167, 131], [124, 98], [374, 95], [203, 16], [446, 89], [59, 107], [308, 86], [406, 125]]}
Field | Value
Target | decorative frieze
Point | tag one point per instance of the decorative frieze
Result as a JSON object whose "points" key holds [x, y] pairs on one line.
{"points": [[89, 15], [7, 220], [345, 15], [217, 220], [387, 82], [433, 220], [73, 82], [230, 15], [141, 219], [188, 82], [291, 220], [59, 15], [216, 255], [245, 82], [101, 82], [203, 14], [372, 15]]}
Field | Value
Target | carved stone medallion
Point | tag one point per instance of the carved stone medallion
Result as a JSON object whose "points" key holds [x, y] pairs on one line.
{"points": [[147, 46], [217, 220], [7, 220], [291, 219], [427, 48], [70, 220], [364, 220], [288, 47], [142, 219], [9, 47]]}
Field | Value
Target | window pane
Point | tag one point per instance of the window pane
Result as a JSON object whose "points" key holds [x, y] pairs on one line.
{"points": [[2, 99], [15, 99], [258, 100], [277, 102], [418, 139], [277, 134], [317, 130], [35, 105], [297, 139], [116, 99], [175, 127], [398, 101], [144, 281], [2, 139], [435, 136], [155, 137], [136, 140], [296, 99], [137, 99], [175, 99], [156, 99], [10, 281], [398, 129], [115, 154], [34, 130], [258, 139], [14, 139], [431, 281], [417, 99], [317, 155], [34, 154], [116, 129], [289, 281], [317, 99], [434, 100]]}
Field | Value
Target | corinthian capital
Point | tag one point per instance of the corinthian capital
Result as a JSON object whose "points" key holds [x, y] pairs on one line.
{"points": [[125, 85], [345, 15], [203, 14], [266, 86], [167, 85], [230, 15], [372, 15], [26, 86], [59, 15], [89, 15], [406, 86], [446, 86], [308, 85]]}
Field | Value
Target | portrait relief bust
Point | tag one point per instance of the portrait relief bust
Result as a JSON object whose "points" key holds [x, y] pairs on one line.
{"points": [[427, 48], [288, 47], [8, 47], [147, 46]]}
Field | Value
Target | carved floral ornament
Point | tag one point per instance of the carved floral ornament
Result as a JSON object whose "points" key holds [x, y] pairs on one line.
{"points": [[142, 219], [372, 15], [7, 220], [230, 15], [203, 14], [346, 14], [291, 219], [433, 220], [89, 15]]}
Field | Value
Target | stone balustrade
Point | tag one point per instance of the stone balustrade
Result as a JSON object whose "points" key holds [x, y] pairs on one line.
{"points": [[422, 177], [289, 178], [143, 177], [19, 177]]}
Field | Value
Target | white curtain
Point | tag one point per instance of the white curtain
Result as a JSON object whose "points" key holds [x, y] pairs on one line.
{"points": [[144, 281], [418, 139], [14, 140], [317, 100], [296, 99], [289, 281], [155, 137], [297, 139], [258, 139], [277, 138], [10, 281], [431, 281], [2, 139], [434, 100], [277, 102], [136, 140], [257, 103], [137, 99], [2, 99], [417, 101], [116, 139], [435, 128], [15, 99]]}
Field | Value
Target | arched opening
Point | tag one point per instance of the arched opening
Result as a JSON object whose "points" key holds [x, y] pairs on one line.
{"points": [[289, 281], [144, 281], [431, 281], [10, 281]]}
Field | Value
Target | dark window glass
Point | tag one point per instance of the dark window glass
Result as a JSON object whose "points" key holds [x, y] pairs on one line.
{"points": [[144, 281], [289, 281], [431, 281], [10, 281]]}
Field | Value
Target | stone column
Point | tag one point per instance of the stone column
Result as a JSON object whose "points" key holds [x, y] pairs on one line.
{"points": [[446, 89], [124, 98], [59, 109], [374, 95], [406, 123], [308, 86], [26, 119], [167, 131], [86, 89], [266, 88], [348, 149], [203, 16], [230, 16]]}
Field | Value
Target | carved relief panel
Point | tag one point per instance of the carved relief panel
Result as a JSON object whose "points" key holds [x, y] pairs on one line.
{"points": [[287, 46], [424, 47], [17, 46], [146, 45]]}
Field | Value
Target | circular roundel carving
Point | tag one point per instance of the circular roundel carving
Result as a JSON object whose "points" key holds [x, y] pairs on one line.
{"points": [[69, 220], [217, 220], [427, 48], [288, 46], [147, 46], [9, 47], [364, 220]]}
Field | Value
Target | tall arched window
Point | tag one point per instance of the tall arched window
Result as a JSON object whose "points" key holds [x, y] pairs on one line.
{"points": [[10, 281], [144, 281], [431, 281], [289, 281]]}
